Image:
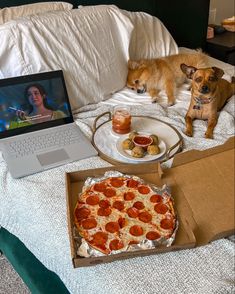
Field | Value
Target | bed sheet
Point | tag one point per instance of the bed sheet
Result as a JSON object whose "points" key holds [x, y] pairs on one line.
{"points": [[34, 209]]}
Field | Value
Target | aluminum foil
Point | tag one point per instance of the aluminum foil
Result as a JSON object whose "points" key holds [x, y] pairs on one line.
{"points": [[85, 250]]}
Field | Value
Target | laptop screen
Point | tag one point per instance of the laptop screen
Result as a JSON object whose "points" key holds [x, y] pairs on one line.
{"points": [[33, 102]]}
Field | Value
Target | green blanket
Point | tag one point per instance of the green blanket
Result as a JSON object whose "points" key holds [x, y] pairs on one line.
{"points": [[34, 274]]}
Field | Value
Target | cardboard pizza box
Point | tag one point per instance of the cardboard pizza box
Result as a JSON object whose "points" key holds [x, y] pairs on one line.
{"points": [[202, 185], [206, 178]]}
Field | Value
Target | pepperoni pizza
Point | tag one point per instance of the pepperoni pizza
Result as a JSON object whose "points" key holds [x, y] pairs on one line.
{"points": [[117, 212]]}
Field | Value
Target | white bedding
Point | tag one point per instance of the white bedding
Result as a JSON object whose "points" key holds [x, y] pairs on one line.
{"points": [[34, 209]]}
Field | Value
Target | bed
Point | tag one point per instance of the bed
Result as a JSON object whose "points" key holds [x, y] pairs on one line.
{"points": [[33, 233]]}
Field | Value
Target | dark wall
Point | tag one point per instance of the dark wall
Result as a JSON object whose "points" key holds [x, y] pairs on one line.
{"points": [[186, 20]]}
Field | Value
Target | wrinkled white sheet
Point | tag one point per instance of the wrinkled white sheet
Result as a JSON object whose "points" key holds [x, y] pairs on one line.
{"points": [[34, 209]]}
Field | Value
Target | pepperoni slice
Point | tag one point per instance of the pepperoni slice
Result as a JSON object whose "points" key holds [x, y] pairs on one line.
{"points": [[100, 187], [104, 203], [132, 183], [82, 213], [136, 230], [109, 192], [167, 224], [139, 205], [116, 182], [122, 222], [93, 200], [129, 196], [116, 244], [143, 190], [145, 217], [161, 208], [100, 238], [112, 227], [89, 223], [152, 235], [132, 212], [119, 205], [104, 211], [156, 198]]}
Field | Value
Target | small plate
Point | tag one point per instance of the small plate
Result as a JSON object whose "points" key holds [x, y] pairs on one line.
{"points": [[147, 157]]}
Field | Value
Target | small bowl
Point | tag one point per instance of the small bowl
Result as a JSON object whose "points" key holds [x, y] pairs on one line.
{"points": [[142, 140]]}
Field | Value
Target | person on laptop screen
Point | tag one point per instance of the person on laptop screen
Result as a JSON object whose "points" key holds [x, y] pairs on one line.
{"points": [[38, 110]]}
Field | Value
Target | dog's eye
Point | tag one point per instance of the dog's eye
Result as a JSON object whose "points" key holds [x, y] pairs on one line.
{"points": [[136, 81], [212, 78], [133, 89], [198, 80]]}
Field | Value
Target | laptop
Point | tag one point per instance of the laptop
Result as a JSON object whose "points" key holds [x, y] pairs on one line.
{"points": [[37, 130]]}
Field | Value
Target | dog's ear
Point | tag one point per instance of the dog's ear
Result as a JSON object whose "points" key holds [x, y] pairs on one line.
{"points": [[188, 70], [135, 64], [218, 72]]}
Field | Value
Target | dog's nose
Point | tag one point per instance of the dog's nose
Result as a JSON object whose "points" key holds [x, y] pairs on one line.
{"points": [[140, 91], [205, 89]]}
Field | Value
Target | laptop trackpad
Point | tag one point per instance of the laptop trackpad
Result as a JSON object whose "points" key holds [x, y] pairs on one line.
{"points": [[53, 157]]}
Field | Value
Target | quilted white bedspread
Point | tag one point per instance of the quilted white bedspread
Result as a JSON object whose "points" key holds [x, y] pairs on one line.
{"points": [[34, 209]]}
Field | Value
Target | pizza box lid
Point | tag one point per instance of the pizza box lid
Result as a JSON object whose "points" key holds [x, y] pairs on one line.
{"points": [[206, 179], [202, 185]]}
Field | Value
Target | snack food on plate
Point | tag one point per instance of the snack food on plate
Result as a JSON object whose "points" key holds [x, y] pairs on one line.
{"points": [[155, 139], [141, 144], [138, 152], [153, 149], [119, 212], [128, 144]]}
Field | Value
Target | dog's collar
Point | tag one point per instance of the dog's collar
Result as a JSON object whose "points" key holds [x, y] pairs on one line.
{"points": [[200, 102]]}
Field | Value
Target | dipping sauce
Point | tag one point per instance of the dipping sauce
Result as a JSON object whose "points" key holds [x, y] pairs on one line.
{"points": [[121, 121], [142, 141]]}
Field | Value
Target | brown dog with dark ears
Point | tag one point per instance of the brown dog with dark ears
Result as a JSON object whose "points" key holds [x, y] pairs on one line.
{"points": [[209, 94]]}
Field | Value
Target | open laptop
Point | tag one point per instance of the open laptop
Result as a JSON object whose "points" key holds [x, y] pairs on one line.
{"points": [[37, 130]]}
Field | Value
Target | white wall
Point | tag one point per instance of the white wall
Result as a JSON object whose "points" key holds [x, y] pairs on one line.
{"points": [[224, 9]]}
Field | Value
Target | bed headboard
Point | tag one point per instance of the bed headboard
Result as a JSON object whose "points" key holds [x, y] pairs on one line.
{"points": [[186, 20]]}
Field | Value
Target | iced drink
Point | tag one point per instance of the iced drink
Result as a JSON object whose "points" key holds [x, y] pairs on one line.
{"points": [[121, 121]]}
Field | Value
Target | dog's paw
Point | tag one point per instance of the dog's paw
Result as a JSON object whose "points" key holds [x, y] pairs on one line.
{"points": [[188, 133], [170, 103], [208, 135], [154, 100]]}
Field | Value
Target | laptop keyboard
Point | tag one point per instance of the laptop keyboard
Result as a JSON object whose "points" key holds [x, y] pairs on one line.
{"points": [[33, 144]]}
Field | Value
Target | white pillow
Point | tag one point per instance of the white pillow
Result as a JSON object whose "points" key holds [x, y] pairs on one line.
{"points": [[150, 38], [14, 12], [89, 45]]}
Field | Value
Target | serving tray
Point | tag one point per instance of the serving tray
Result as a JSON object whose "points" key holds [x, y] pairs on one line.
{"points": [[105, 140]]}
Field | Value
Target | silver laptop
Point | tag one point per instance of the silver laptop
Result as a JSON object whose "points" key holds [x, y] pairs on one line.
{"points": [[37, 130]]}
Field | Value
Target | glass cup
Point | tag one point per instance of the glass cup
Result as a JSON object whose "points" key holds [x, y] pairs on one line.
{"points": [[121, 119]]}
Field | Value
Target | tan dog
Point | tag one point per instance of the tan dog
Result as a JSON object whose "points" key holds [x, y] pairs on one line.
{"points": [[209, 94], [154, 75]]}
